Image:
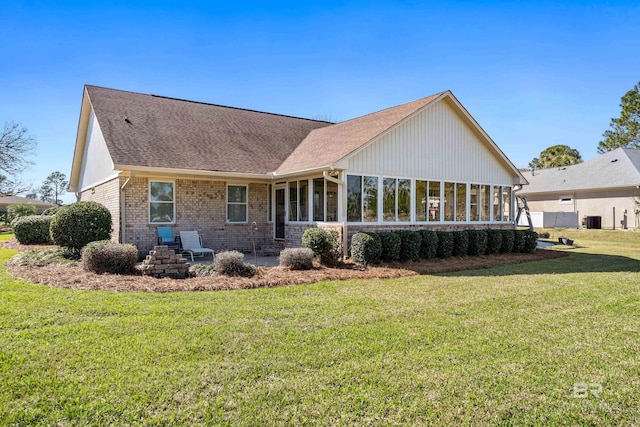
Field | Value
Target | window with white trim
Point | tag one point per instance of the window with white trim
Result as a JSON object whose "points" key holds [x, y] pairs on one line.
{"points": [[362, 198], [161, 202], [237, 203]]}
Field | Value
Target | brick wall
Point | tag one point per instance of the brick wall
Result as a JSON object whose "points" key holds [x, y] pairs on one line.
{"points": [[107, 194], [200, 206]]}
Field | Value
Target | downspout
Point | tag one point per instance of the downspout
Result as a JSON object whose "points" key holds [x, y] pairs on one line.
{"points": [[122, 207], [342, 207]]}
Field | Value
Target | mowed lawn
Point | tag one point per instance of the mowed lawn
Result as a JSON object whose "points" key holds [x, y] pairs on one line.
{"points": [[545, 343]]}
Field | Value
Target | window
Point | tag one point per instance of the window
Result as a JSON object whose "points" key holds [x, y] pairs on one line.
{"points": [[298, 200], [161, 202], [449, 201], [461, 202], [354, 198], [370, 199], [474, 202], [237, 203], [293, 201], [434, 201], [485, 190], [388, 199], [318, 199], [506, 204], [497, 203], [332, 201], [422, 201], [404, 200]]}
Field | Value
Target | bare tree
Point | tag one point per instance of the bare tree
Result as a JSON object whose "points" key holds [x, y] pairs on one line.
{"points": [[9, 187], [15, 146]]}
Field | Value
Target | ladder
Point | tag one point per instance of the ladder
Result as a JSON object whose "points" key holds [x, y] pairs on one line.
{"points": [[522, 206]]}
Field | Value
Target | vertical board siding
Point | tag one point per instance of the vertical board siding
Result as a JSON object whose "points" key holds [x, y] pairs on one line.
{"points": [[434, 144], [95, 154]]}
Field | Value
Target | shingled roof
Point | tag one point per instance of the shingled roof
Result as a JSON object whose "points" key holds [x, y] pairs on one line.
{"points": [[325, 146], [619, 168], [160, 132]]}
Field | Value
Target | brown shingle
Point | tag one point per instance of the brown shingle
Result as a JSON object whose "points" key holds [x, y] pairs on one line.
{"points": [[171, 133], [327, 145]]}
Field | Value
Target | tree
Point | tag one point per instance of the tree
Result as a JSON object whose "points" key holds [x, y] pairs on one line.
{"points": [[53, 187], [9, 187], [625, 130], [15, 146], [556, 156]]}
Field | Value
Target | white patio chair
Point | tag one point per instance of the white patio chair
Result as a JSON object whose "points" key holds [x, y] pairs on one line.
{"points": [[192, 244]]}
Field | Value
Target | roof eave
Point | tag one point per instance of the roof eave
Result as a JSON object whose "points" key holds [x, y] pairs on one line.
{"points": [[81, 140], [191, 172]]}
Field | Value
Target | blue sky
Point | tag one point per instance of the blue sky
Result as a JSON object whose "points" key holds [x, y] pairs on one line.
{"points": [[533, 74]]}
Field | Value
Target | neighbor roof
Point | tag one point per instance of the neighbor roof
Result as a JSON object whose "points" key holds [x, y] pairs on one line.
{"points": [[616, 169], [161, 132], [18, 200]]}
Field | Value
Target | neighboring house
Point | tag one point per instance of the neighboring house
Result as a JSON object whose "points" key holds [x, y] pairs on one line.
{"points": [[40, 206], [607, 187], [232, 173]]}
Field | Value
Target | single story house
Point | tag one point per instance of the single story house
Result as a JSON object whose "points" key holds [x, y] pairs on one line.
{"points": [[40, 206], [606, 187], [235, 174]]}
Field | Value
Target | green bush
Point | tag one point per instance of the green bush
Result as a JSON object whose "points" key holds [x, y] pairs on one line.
{"points": [[507, 241], [325, 244], [231, 263], [477, 242], [445, 244], [78, 224], [518, 241], [32, 229], [429, 244], [390, 246], [51, 211], [105, 256], [16, 211], [494, 242], [460, 243], [410, 242], [366, 248], [530, 241], [297, 258], [42, 257]]}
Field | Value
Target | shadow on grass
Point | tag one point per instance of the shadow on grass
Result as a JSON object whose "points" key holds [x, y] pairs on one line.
{"points": [[574, 263]]}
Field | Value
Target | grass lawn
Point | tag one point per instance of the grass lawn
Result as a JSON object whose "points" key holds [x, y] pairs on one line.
{"points": [[544, 343]]}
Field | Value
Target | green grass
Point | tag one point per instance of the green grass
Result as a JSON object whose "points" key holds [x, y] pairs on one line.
{"points": [[504, 346]]}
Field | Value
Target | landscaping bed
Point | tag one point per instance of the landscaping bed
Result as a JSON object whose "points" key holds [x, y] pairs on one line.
{"points": [[73, 276]]}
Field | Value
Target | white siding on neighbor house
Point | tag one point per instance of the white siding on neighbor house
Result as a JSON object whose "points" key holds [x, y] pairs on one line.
{"points": [[434, 144], [97, 155]]}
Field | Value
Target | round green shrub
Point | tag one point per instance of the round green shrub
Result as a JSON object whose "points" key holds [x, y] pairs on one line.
{"points": [[78, 224], [477, 242], [494, 242], [390, 246], [105, 256], [410, 242], [429, 244], [324, 244], [51, 211], [507, 241], [530, 241], [297, 258], [32, 229], [366, 248], [445, 244], [460, 243]]}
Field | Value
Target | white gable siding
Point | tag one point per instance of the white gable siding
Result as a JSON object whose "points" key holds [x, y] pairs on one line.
{"points": [[435, 144], [97, 166]]}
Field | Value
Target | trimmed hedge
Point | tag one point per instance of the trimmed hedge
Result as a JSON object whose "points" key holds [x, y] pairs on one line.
{"points": [[51, 211], [530, 241], [366, 248], [429, 244], [460, 243], [507, 241], [297, 258], [108, 257], [32, 229], [445, 244], [324, 244], [410, 242], [518, 241], [231, 263], [477, 242], [391, 243], [494, 242], [78, 224]]}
